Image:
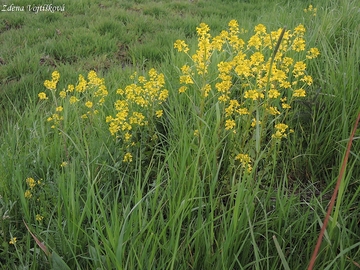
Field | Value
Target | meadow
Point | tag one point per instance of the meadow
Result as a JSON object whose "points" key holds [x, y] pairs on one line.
{"points": [[158, 134]]}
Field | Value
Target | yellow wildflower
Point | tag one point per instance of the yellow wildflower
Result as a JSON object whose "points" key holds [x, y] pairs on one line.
{"points": [[59, 109], [180, 45], [30, 182], [73, 100], [42, 95], [260, 28], [12, 241], [253, 94], [63, 164], [273, 111], [55, 76], [307, 79], [281, 127], [81, 86], [127, 157], [285, 106], [88, 104], [312, 53], [244, 158], [299, 93], [298, 44], [242, 111], [273, 93], [300, 29], [28, 194], [254, 122], [62, 94], [229, 124], [159, 113], [70, 88]]}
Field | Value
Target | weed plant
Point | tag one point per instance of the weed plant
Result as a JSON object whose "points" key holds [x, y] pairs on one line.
{"points": [[205, 144]]}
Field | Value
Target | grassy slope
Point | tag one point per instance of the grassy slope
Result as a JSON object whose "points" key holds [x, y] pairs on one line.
{"points": [[89, 227]]}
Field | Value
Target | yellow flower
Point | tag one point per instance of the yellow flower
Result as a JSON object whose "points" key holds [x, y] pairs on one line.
{"points": [[245, 161], [285, 106], [185, 69], [281, 127], [273, 93], [229, 124], [298, 44], [312, 53], [51, 85], [300, 29], [88, 104], [159, 113], [223, 86], [277, 135], [12, 241], [163, 95], [254, 41], [243, 158], [42, 95], [81, 86], [307, 79], [260, 28], [55, 76], [73, 100], [186, 79], [63, 164], [280, 131], [196, 132], [206, 89], [299, 68], [70, 88], [242, 111], [254, 122], [62, 94], [273, 111], [180, 45], [28, 194], [30, 182], [59, 109], [223, 98], [299, 93], [39, 217], [253, 94], [127, 157], [127, 136]]}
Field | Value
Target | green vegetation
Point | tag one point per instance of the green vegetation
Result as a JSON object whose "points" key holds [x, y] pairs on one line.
{"points": [[170, 135]]}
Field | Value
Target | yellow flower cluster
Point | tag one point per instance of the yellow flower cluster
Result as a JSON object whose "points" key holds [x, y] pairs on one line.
{"points": [[250, 63], [245, 161], [31, 183], [91, 91], [13, 241], [312, 10], [261, 76], [138, 103], [51, 85], [33, 191]]}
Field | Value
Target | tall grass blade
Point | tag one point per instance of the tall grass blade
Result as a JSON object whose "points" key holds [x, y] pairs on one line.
{"points": [[281, 254]]}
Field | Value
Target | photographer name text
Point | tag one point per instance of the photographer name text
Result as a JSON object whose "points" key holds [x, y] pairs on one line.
{"points": [[33, 8]]}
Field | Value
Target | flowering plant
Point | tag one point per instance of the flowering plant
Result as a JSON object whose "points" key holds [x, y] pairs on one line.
{"points": [[256, 83]]}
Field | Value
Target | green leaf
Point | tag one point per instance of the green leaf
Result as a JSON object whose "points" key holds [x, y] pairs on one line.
{"points": [[58, 263]]}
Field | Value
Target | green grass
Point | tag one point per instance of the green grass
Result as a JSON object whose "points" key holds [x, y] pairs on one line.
{"points": [[181, 203]]}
